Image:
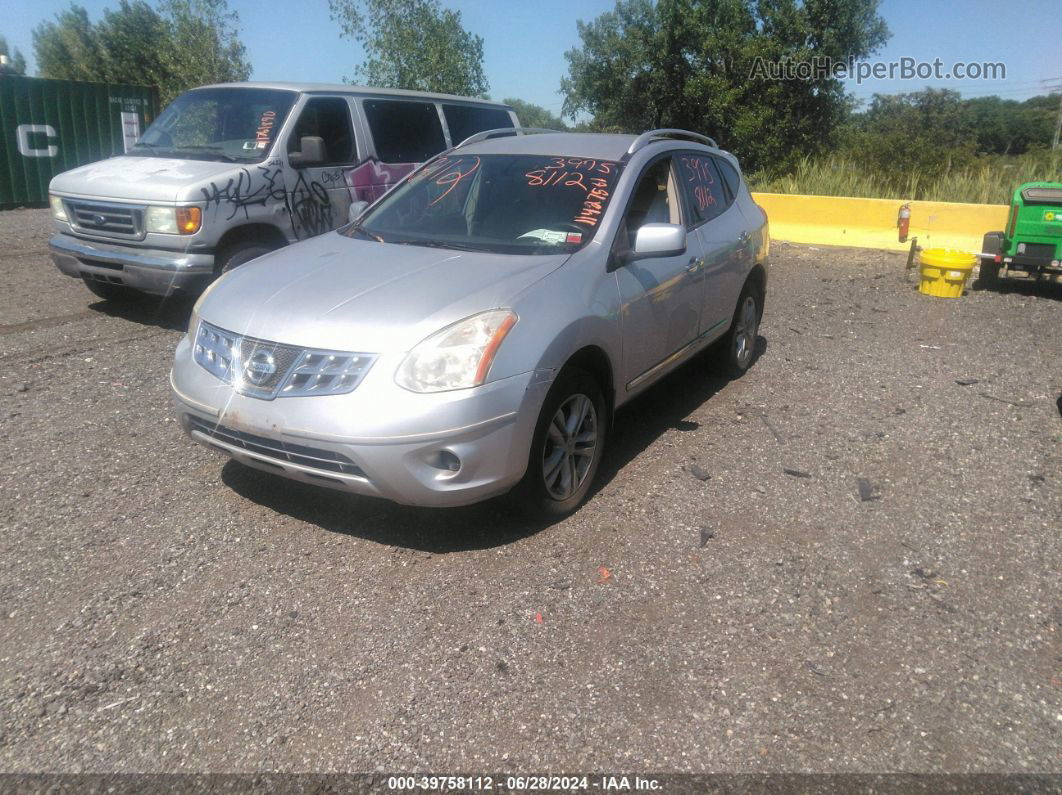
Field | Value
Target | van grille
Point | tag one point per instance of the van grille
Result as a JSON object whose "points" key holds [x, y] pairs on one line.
{"points": [[106, 220], [277, 450]]}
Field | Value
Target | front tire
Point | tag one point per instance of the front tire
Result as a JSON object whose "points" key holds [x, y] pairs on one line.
{"points": [[567, 446], [739, 344], [235, 255]]}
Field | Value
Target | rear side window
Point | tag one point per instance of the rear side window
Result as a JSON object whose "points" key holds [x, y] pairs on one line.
{"points": [[404, 132], [466, 120], [703, 185], [730, 177], [329, 119]]}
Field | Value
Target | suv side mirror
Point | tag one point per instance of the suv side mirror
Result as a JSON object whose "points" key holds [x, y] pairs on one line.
{"points": [[658, 240], [311, 152], [355, 210]]}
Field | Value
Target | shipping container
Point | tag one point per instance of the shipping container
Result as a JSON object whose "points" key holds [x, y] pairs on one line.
{"points": [[50, 126]]}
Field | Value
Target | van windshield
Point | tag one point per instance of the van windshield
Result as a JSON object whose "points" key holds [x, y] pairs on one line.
{"points": [[232, 124], [509, 204]]}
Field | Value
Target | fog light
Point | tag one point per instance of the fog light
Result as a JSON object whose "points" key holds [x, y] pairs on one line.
{"points": [[445, 460]]}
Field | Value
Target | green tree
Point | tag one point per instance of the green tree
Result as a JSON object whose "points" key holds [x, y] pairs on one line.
{"points": [[16, 63], [926, 132], [177, 46], [413, 44], [705, 65], [532, 115]]}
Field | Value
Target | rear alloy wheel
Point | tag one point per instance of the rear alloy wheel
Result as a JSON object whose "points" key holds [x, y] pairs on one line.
{"points": [[567, 446], [739, 344]]}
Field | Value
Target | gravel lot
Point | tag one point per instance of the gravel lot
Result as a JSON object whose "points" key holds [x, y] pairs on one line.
{"points": [[867, 582]]}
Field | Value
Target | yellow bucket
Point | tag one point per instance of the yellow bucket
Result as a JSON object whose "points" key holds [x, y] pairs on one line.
{"points": [[944, 271]]}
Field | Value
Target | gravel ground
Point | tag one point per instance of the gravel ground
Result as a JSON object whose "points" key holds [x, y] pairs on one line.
{"points": [[868, 581]]}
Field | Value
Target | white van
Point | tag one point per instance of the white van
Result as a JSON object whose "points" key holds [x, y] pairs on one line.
{"points": [[229, 172]]}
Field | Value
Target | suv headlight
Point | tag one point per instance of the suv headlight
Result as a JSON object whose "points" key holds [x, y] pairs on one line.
{"points": [[58, 210], [173, 220], [458, 356]]}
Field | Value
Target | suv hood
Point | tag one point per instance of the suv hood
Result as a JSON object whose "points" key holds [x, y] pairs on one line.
{"points": [[337, 293], [144, 179]]}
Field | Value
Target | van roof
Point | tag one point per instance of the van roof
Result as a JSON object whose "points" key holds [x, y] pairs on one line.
{"points": [[344, 88]]}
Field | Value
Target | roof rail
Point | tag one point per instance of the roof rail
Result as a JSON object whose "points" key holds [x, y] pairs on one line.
{"points": [[498, 132], [647, 138]]}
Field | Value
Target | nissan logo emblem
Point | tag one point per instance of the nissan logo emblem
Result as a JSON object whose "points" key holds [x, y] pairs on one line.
{"points": [[99, 220], [260, 367]]}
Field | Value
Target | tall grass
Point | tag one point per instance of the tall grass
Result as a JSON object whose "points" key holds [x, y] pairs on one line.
{"points": [[991, 179]]}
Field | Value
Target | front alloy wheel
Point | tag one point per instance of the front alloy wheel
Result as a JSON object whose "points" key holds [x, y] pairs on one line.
{"points": [[570, 448], [567, 446]]}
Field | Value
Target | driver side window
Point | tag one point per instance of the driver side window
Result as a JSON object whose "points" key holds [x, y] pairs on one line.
{"points": [[655, 200], [329, 119]]}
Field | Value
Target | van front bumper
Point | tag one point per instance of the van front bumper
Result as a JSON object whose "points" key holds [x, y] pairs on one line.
{"points": [[155, 271], [377, 441]]}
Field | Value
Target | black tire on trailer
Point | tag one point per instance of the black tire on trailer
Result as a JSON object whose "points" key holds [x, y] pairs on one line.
{"points": [[988, 274]]}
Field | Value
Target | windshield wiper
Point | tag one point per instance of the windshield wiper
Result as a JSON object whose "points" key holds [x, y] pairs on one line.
{"points": [[440, 244], [217, 151]]}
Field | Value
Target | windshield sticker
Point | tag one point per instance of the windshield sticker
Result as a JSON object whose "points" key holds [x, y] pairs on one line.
{"points": [[574, 237], [589, 176], [698, 171], [265, 128], [250, 144], [548, 235]]}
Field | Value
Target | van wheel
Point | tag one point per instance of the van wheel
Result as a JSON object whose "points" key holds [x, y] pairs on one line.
{"points": [[106, 290], [738, 347], [237, 254], [567, 447]]}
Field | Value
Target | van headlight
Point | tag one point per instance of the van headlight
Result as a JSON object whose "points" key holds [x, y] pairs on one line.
{"points": [[58, 210], [173, 220], [458, 356]]}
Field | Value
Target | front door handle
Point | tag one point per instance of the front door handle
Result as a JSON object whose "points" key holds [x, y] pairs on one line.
{"points": [[695, 264]]}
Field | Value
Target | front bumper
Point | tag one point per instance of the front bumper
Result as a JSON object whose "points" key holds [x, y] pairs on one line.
{"points": [[377, 441], [154, 271]]}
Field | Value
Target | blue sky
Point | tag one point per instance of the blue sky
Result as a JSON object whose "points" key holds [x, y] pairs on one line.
{"points": [[525, 41]]}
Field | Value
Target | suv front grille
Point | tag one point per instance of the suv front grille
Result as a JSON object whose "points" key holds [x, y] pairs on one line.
{"points": [[107, 220], [277, 450], [266, 370]]}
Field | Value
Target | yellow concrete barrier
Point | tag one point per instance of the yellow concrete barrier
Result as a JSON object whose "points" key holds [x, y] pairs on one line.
{"points": [[871, 223]]}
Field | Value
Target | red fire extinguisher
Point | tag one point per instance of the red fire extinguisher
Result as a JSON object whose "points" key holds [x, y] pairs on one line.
{"points": [[903, 221]]}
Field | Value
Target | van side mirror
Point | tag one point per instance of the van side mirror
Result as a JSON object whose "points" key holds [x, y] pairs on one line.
{"points": [[658, 240], [311, 152], [355, 210]]}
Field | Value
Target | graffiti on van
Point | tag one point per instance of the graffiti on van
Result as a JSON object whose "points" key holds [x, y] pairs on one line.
{"points": [[372, 179], [307, 203]]}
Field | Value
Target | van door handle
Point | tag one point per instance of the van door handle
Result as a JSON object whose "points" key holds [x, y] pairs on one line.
{"points": [[695, 264]]}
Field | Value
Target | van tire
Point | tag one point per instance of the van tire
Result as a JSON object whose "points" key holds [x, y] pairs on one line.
{"points": [[237, 254]]}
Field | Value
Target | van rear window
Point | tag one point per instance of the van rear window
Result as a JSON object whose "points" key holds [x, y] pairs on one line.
{"points": [[466, 120], [404, 132]]}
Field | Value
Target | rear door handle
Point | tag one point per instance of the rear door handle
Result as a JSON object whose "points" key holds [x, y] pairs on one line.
{"points": [[744, 237]]}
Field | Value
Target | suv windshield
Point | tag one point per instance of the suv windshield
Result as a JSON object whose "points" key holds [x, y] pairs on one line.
{"points": [[234, 124], [510, 204]]}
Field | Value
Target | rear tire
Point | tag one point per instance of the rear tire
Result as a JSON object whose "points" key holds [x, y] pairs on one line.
{"points": [[738, 346], [237, 254], [107, 291], [988, 274], [567, 446]]}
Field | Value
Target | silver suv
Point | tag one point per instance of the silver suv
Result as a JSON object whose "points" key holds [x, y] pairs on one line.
{"points": [[475, 329]]}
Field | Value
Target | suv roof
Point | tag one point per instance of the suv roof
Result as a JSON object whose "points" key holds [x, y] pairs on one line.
{"points": [[344, 88], [599, 146]]}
